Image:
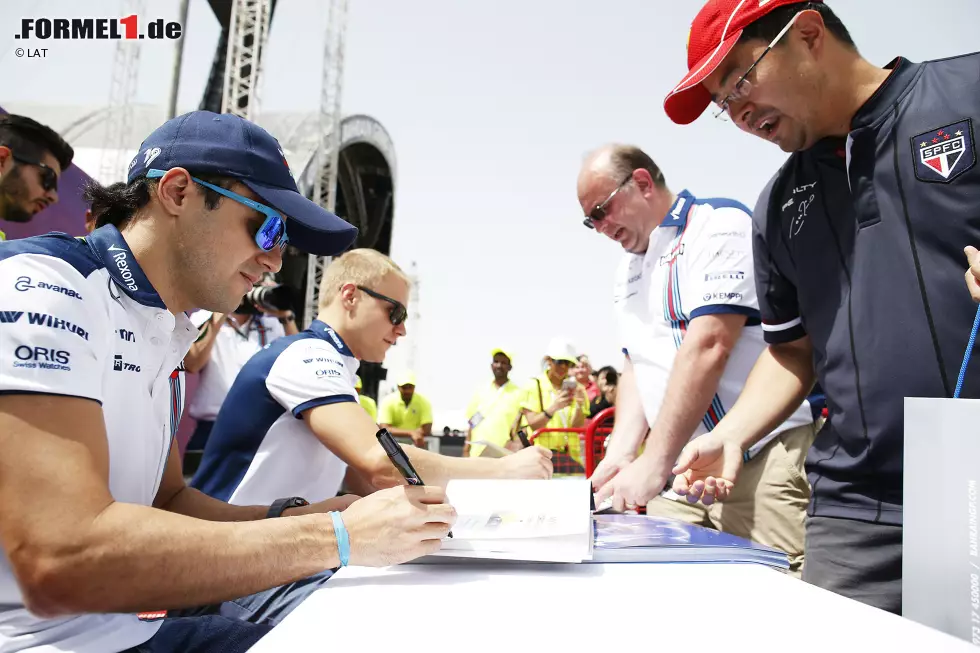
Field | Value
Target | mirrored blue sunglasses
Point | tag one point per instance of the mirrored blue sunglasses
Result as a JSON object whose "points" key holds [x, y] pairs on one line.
{"points": [[273, 229]]}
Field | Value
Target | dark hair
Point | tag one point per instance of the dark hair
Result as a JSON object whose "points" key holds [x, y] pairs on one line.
{"points": [[624, 159], [769, 26], [31, 139], [117, 203], [612, 376]]}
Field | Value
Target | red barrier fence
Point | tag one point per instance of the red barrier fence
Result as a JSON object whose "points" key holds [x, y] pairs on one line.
{"points": [[592, 437]]}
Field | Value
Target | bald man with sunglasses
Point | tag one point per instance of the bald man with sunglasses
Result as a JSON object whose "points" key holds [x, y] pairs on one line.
{"points": [[688, 320], [291, 424]]}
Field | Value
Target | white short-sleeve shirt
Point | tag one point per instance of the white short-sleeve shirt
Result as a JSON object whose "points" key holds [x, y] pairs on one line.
{"points": [[232, 348], [260, 449], [699, 262], [79, 318]]}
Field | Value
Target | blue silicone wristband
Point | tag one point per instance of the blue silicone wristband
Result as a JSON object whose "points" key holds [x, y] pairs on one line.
{"points": [[343, 540]]}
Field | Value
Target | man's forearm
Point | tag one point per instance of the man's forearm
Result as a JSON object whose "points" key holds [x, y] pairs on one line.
{"points": [[402, 433], [691, 386], [779, 382], [132, 558], [436, 469], [631, 421], [191, 502]]}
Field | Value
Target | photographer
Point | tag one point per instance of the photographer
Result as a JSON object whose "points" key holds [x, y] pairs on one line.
{"points": [[225, 343]]}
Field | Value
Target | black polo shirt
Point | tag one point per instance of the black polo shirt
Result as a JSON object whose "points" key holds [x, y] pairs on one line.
{"points": [[859, 244]]}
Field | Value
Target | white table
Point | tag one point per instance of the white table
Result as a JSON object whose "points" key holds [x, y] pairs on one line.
{"points": [[673, 607]]}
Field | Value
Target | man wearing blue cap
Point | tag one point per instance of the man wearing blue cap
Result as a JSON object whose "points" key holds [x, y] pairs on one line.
{"points": [[97, 523]]}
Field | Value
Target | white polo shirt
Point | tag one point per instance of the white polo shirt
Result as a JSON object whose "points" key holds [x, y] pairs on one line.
{"points": [[260, 449], [232, 348], [79, 318], [699, 262]]}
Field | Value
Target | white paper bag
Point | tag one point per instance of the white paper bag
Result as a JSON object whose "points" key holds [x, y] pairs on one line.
{"points": [[940, 557]]}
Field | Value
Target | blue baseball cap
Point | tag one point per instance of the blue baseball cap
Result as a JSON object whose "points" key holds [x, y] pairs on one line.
{"points": [[227, 145]]}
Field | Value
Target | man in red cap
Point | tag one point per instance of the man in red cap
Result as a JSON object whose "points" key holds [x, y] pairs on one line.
{"points": [[857, 253]]}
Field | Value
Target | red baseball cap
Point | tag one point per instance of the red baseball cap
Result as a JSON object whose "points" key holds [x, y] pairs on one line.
{"points": [[714, 33]]}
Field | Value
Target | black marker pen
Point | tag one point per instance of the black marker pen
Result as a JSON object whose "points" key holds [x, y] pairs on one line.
{"points": [[399, 459]]}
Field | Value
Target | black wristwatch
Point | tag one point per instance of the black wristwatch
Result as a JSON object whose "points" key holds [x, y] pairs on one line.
{"points": [[281, 505], [547, 414]]}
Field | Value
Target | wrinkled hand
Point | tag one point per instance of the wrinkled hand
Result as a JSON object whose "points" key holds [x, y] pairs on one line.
{"points": [[637, 484], [611, 465], [973, 272], [707, 469], [398, 524], [530, 462]]}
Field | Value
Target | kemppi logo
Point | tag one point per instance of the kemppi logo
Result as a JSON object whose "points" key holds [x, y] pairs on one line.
{"points": [[122, 264]]}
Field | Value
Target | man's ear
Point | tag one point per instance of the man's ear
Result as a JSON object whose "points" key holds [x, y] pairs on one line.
{"points": [[6, 158], [173, 190], [811, 29], [348, 295]]}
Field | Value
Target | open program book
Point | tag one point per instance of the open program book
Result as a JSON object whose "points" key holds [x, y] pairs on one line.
{"points": [[552, 521], [547, 521]]}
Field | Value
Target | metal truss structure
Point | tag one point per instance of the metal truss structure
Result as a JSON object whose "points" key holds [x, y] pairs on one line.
{"points": [[122, 89], [328, 137], [248, 32]]}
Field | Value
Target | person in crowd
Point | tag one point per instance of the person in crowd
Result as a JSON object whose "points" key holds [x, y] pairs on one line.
{"points": [[224, 344], [407, 413], [93, 214], [494, 408], [32, 158], [607, 378], [856, 238], [585, 375], [369, 405], [688, 318], [555, 400], [291, 424], [98, 524]]}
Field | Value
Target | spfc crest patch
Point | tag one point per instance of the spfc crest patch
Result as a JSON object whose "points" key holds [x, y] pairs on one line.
{"points": [[941, 155]]}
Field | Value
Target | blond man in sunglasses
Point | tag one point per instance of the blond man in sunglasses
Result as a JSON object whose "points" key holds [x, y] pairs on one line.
{"points": [[291, 424]]}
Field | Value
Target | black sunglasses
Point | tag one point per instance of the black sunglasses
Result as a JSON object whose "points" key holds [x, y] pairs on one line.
{"points": [[599, 212], [398, 312], [49, 178]]}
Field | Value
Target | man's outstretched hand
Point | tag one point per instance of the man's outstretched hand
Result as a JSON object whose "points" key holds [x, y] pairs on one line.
{"points": [[707, 469]]}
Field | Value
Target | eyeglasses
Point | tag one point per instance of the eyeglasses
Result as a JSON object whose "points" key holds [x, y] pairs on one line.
{"points": [[743, 87], [398, 312], [49, 178], [272, 233], [598, 214]]}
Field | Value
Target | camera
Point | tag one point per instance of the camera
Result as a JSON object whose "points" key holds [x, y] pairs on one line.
{"points": [[269, 298]]}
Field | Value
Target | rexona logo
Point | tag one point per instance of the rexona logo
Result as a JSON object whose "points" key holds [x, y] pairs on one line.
{"points": [[120, 366], [42, 358], [24, 284], [52, 322], [120, 257], [80, 29]]}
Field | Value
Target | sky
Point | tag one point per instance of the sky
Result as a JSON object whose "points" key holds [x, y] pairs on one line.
{"points": [[491, 107]]}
